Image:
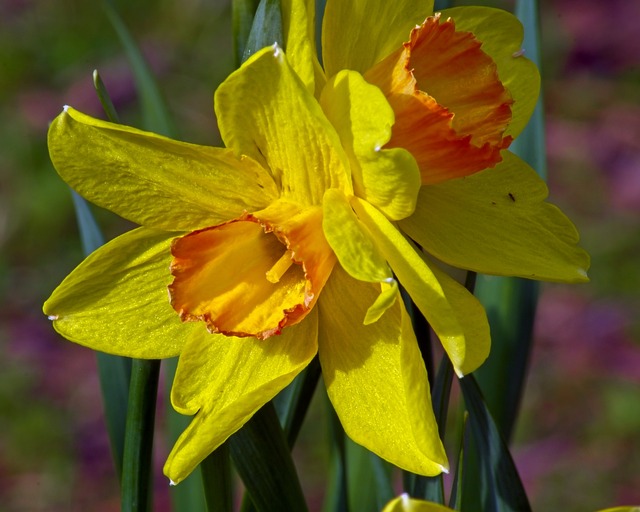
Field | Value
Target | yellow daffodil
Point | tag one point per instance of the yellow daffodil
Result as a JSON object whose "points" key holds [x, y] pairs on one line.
{"points": [[404, 503], [288, 244], [457, 80]]}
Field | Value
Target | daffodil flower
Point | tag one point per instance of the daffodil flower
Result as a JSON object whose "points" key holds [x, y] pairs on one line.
{"points": [[404, 503], [290, 243], [461, 91], [457, 80]]}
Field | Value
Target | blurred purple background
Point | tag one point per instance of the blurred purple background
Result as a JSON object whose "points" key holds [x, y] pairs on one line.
{"points": [[578, 438]]}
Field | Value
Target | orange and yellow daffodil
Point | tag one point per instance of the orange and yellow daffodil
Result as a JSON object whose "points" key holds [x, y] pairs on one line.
{"points": [[290, 243]]}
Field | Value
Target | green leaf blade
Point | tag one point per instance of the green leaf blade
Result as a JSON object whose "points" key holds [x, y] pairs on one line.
{"points": [[261, 456], [503, 489]]}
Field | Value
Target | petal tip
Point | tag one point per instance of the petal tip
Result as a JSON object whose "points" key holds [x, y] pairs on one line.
{"points": [[172, 483]]}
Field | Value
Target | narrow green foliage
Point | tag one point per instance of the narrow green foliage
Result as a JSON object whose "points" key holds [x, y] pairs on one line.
{"points": [[511, 305], [530, 145], [154, 113], [432, 488], [361, 481], [242, 13], [261, 456], [293, 402], [422, 331], [458, 476], [217, 480], [266, 29], [503, 489], [382, 471], [105, 99], [137, 469], [337, 495]]}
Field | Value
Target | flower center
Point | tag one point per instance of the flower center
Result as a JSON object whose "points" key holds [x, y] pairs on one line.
{"points": [[451, 108], [275, 273], [254, 275]]}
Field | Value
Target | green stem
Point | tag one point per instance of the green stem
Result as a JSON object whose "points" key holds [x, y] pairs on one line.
{"points": [[293, 402], [261, 456], [137, 491], [338, 497], [217, 480]]}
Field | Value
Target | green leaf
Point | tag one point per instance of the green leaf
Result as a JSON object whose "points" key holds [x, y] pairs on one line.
{"points": [[503, 489], [242, 13], [137, 468], [432, 488], [381, 482], [154, 113], [261, 456], [368, 479], [510, 304], [266, 29], [293, 402], [456, 487], [530, 145], [105, 99], [217, 480], [336, 496]]}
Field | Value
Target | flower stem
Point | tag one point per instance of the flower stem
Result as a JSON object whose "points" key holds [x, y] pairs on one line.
{"points": [[137, 491], [217, 480]]}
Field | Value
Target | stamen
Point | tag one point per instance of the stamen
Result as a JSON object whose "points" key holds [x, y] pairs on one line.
{"points": [[275, 273]]}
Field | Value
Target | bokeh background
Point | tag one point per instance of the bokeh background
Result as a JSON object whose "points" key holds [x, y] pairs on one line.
{"points": [[578, 438]]}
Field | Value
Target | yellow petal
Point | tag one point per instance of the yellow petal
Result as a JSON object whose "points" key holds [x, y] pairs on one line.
{"points": [[252, 276], [265, 111], [356, 251], [437, 296], [351, 241], [152, 180], [386, 299], [497, 222], [404, 503], [472, 317], [298, 20], [225, 380], [376, 378], [387, 178], [501, 35], [358, 33], [116, 300]]}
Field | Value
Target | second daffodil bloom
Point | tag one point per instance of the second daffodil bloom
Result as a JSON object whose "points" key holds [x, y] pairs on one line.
{"points": [[289, 243]]}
